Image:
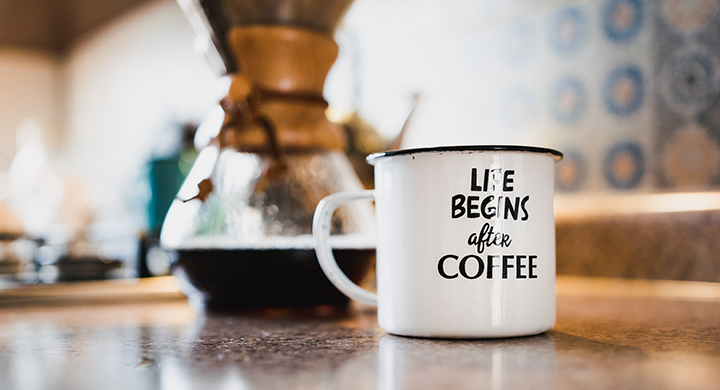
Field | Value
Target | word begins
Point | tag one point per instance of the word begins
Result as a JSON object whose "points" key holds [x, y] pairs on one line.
{"points": [[489, 207], [524, 266]]}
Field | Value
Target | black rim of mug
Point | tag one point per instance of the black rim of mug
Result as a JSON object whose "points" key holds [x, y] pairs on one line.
{"points": [[467, 148]]}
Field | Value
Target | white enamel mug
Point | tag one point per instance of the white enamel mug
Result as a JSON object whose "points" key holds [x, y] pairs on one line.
{"points": [[465, 241]]}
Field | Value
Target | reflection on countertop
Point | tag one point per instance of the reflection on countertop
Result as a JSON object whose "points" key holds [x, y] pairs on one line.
{"points": [[609, 334]]}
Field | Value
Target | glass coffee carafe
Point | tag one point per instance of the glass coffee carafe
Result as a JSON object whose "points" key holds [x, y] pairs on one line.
{"points": [[241, 224]]}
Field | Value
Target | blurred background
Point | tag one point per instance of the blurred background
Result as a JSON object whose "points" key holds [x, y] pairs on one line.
{"points": [[100, 104]]}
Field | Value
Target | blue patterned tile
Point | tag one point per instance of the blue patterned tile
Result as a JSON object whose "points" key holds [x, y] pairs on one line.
{"points": [[568, 30], [687, 17], [690, 79], [624, 90], [622, 20], [571, 172], [691, 158], [624, 165], [568, 100]]}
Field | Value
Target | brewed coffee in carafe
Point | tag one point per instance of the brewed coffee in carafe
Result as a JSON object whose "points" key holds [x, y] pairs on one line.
{"points": [[242, 223]]}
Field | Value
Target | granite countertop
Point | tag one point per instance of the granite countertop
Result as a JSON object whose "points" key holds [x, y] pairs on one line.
{"points": [[609, 334]]}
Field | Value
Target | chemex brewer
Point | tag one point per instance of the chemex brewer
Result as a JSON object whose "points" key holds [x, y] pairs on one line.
{"points": [[465, 241], [242, 221]]}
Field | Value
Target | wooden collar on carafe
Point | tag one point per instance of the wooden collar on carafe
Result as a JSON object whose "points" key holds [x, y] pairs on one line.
{"points": [[275, 102]]}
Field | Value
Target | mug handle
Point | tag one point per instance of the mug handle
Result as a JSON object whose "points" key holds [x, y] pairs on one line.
{"points": [[321, 233]]}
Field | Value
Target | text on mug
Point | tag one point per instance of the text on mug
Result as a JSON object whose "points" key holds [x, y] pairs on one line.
{"points": [[524, 266]]}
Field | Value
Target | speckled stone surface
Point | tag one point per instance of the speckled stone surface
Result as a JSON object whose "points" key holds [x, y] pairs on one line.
{"points": [[638, 341], [674, 246]]}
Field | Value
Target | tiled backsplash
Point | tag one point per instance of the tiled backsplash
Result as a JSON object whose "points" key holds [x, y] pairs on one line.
{"points": [[627, 89]]}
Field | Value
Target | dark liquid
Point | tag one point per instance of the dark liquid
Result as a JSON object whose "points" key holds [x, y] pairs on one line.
{"points": [[252, 278]]}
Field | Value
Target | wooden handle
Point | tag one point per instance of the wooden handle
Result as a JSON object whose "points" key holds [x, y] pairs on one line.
{"points": [[286, 67]]}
